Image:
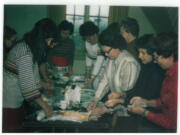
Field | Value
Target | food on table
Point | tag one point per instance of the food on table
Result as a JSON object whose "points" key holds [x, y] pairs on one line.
{"points": [[78, 115]]}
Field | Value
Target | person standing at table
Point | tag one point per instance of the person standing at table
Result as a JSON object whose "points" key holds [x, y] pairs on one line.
{"points": [[149, 83], [129, 29], [94, 57], [21, 79], [9, 40], [63, 53], [166, 55], [121, 73]]}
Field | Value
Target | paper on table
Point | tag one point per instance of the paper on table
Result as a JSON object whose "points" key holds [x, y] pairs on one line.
{"points": [[73, 95]]}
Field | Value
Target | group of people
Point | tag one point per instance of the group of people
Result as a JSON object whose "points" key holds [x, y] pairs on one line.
{"points": [[141, 74], [138, 73]]}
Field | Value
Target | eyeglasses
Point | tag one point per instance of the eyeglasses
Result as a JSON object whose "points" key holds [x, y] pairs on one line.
{"points": [[108, 52]]}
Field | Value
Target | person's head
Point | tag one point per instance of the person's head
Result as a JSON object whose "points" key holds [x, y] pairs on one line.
{"points": [[66, 29], [42, 36], [111, 43], [89, 32], [115, 27], [129, 29], [166, 53], [146, 45], [9, 36]]}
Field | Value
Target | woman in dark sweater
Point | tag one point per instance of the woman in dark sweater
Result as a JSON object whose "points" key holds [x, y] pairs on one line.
{"points": [[150, 80]]}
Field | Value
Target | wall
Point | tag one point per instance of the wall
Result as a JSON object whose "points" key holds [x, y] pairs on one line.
{"points": [[22, 17], [144, 24]]}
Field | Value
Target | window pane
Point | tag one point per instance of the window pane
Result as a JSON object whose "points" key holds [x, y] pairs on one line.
{"points": [[69, 18], [78, 21], [94, 10], [95, 20], [103, 24], [78, 40], [70, 9], [104, 11], [79, 10]]}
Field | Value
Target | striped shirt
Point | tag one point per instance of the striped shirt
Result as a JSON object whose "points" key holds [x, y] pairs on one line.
{"points": [[64, 49], [120, 75], [22, 74]]}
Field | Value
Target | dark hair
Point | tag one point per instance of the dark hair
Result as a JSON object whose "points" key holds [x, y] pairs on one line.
{"points": [[167, 45], [114, 27], [109, 38], [148, 42], [8, 32], [130, 25], [43, 29], [88, 29], [65, 25]]}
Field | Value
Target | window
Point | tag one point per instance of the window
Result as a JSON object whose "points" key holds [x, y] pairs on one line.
{"points": [[77, 14]]}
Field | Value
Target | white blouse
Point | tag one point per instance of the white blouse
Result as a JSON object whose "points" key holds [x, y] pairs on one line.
{"points": [[93, 58], [120, 75]]}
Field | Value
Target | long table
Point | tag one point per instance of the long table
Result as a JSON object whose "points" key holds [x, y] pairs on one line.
{"points": [[102, 125]]}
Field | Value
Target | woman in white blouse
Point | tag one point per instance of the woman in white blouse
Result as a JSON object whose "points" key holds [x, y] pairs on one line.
{"points": [[122, 69], [94, 57]]}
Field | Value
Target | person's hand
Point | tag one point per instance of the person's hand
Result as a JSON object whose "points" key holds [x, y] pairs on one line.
{"points": [[137, 101], [115, 95], [113, 102], [50, 84], [48, 110], [98, 111], [136, 109], [44, 84], [92, 106]]}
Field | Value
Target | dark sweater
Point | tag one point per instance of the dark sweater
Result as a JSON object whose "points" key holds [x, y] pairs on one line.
{"points": [[148, 86], [65, 48]]}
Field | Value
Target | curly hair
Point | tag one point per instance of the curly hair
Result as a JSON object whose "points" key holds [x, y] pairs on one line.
{"points": [[167, 45], [43, 29], [112, 39], [130, 25], [148, 42], [88, 29], [65, 25]]}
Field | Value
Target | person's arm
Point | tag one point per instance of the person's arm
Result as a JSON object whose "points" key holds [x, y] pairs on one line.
{"points": [[71, 57], [95, 70], [30, 82], [70, 70], [97, 65], [102, 89], [42, 69], [46, 83], [47, 109], [168, 102], [89, 63], [138, 101], [128, 75]]}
